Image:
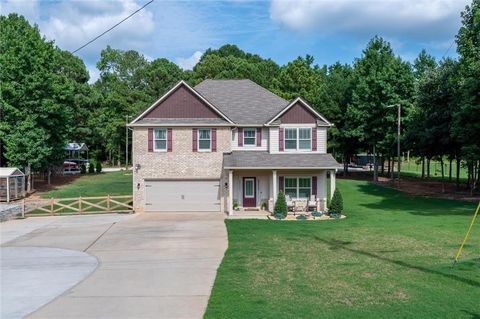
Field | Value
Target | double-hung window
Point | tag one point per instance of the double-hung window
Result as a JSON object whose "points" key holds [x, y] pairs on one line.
{"points": [[298, 139], [290, 139], [160, 140], [249, 136], [204, 140], [298, 187]]}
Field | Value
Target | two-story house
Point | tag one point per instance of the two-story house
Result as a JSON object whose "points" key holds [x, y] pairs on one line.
{"points": [[226, 143]]}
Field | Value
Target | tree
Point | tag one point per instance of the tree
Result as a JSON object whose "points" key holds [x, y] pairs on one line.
{"points": [[301, 78], [281, 205], [229, 62], [34, 92], [336, 205], [381, 79], [467, 119]]}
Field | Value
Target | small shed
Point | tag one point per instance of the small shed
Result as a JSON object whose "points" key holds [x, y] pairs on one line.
{"points": [[12, 184], [77, 148]]}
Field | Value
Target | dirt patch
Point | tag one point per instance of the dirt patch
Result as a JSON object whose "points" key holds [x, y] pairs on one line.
{"points": [[419, 187], [42, 186]]}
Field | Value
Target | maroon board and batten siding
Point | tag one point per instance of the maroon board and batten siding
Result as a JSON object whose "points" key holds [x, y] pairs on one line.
{"points": [[298, 114], [182, 103]]}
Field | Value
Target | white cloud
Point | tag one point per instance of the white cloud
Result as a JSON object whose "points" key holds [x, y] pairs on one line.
{"points": [[190, 62], [27, 8], [425, 19], [73, 23]]}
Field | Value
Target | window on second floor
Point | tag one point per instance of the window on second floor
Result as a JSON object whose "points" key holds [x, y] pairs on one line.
{"points": [[204, 139], [160, 139], [249, 136], [298, 139]]}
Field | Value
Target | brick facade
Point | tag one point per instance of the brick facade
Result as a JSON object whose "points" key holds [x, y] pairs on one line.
{"points": [[181, 163]]}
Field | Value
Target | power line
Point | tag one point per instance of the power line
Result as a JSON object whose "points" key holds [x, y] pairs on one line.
{"points": [[116, 25], [451, 45]]}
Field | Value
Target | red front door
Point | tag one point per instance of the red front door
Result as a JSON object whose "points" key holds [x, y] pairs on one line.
{"points": [[249, 192]]}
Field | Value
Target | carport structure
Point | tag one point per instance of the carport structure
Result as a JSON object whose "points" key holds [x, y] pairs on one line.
{"points": [[12, 184]]}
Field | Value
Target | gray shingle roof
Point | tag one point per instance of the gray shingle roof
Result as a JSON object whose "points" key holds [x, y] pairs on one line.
{"points": [[262, 159], [180, 121], [242, 101]]}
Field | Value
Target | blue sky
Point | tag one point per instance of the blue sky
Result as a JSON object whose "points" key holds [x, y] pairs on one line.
{"points": [[330, 30]]}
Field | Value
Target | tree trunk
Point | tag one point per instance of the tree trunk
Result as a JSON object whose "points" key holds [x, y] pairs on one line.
{"points": [[388, 166], [375, 166], [423, 167], [428, 167], [392, 169], [458, 173], [450, 159], [443, 175]]}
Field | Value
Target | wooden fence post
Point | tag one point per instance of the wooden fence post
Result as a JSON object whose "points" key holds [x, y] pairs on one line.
{"points": [[108, 202], [51, 205], [80, 204]]}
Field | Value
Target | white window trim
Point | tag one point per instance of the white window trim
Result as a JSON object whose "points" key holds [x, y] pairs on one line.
{"points": [[298, 149], [198, 140], [298, 186], [253, 189], [160, 150], [254, 137]]}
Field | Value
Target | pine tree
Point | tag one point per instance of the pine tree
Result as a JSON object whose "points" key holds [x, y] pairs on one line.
{"points": [[281, 205], [336, 205]]}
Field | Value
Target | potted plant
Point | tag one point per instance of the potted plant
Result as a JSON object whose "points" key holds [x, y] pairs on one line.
{"points": [[264, 205], [235, 204], [336, 205]]}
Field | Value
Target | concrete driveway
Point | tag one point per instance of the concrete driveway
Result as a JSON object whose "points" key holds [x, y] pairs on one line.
{"points": [[155, 265]]}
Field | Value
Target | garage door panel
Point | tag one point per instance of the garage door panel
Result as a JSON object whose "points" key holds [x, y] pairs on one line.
{"points": [[185, 195]]}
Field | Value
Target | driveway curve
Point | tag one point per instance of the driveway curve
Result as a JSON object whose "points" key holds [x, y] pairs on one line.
{"points": [[155, 265]]}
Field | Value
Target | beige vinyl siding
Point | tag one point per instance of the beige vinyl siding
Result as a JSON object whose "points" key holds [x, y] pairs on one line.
{"points": [[264, 146], [322, 139], [274, 140]]}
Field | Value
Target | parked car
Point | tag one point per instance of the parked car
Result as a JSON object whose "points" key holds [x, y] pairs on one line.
{"points": [[71, 168]]}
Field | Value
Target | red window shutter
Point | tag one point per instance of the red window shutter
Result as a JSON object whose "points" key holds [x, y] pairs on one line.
{"points": [[280, 183], [259, 136], [169, 139], [240, 136], [314, 140], [314, 185], [214, 139], [150, 139], [280, 139], [194, 140]]}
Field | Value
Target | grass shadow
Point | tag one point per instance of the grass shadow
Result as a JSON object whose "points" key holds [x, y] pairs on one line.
{"points": [[337, 245], [394, 200]]}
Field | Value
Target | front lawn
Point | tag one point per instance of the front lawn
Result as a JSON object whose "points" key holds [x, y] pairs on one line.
{"points": [[113, 183], [390, 258]]}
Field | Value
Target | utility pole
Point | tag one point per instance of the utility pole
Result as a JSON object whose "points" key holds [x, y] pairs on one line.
{"points": [[126, 141]]}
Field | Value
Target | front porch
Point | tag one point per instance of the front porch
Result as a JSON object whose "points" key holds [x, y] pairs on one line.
{"points": [[254, 191]]}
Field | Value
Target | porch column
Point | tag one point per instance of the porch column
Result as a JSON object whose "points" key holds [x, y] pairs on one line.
{"points": [[322, 189], [230, 192], [332, 183], [274, 186]]}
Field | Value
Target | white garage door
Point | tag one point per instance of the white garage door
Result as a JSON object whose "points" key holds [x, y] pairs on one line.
{"points": [[184, 195]]}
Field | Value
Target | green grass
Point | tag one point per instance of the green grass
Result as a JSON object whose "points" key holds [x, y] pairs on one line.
{"points": [[113, 183], [413, 169], [390, 258]]}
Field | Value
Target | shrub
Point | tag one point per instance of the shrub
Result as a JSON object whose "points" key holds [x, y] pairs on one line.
{"points": [[235, 204], [83, 169], [98, 167], [281, 205], [91, 168], [336, 205]]}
